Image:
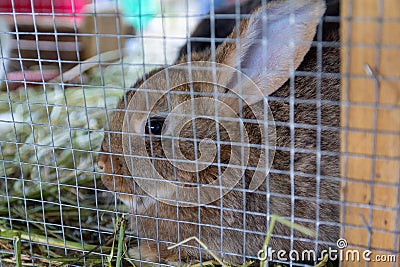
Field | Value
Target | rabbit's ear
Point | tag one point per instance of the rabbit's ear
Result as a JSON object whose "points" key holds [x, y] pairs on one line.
{"points": [[270, 44]]}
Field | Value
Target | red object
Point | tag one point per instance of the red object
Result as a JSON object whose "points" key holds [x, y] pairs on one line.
{"points": [[43, 6]]}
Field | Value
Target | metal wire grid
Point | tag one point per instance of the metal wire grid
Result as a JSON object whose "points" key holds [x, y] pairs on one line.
{"points": [[282, 99], [43, 201], [80, 227], [99, 231]]}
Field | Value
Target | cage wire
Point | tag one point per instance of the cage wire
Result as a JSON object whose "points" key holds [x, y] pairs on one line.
{"points": [[128, 127]]}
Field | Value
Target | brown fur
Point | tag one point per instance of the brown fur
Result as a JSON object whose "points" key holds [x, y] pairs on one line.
{"points": [[245, 212]]}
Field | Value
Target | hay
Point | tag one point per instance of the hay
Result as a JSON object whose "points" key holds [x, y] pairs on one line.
{"points": [[50, 193]]}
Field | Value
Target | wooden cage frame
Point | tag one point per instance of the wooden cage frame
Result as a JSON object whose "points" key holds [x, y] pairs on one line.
{"points": [[370, 118]]}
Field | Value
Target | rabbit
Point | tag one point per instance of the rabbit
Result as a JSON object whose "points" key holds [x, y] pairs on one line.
{"points": [[302, 184]]}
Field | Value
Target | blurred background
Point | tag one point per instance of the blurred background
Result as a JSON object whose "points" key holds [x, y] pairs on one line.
{"points": [[55, 35]]}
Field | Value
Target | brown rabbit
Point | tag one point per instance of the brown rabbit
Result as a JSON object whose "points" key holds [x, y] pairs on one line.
{"points": [[303, 182]]}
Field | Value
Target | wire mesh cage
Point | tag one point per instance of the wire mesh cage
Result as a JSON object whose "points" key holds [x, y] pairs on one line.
{"points": [[184, 132]]}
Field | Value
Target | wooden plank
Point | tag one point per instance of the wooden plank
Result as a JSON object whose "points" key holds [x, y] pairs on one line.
{"points": [[44, 22], [371, 128], [103, 29]]}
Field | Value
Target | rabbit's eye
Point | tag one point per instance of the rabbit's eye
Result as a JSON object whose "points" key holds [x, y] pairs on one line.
{"points": [[154, 125]]}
